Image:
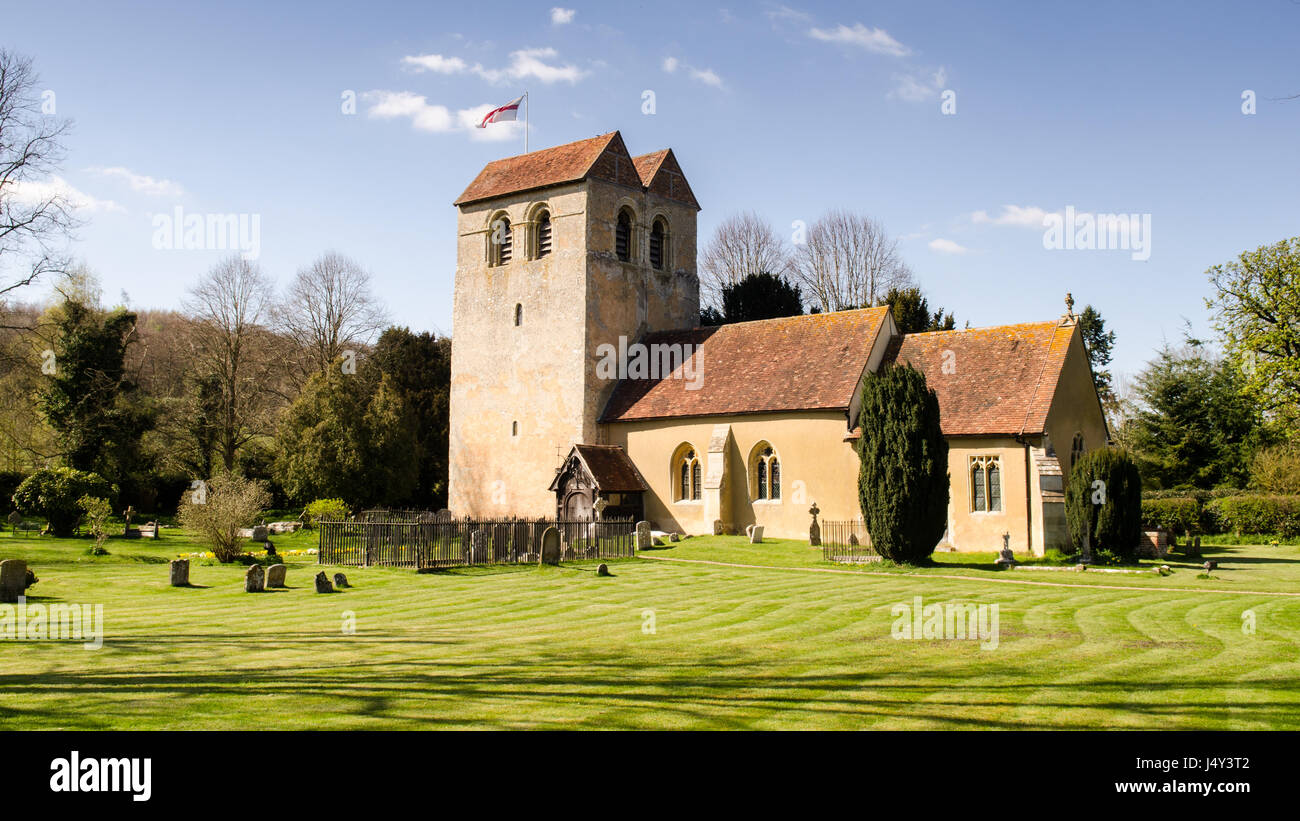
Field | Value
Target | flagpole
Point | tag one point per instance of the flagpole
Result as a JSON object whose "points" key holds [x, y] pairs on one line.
{"points": [[525, 122]]}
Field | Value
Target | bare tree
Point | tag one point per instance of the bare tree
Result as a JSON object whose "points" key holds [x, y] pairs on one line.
{"points": [[234, 353], [849, 261], [329, 308], [35, 215], [742, 245]]}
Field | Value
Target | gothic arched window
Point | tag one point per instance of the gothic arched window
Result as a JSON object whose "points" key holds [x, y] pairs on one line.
{"points": [[985, 484], [623, 236], [765, 473], [688, 475]]}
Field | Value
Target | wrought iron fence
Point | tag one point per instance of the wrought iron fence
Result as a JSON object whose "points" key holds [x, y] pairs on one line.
{"points": [[847, 541], [426, 542]]}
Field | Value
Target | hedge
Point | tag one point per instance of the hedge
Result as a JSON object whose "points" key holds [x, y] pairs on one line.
{"points": [[1257, 515], [1177, 515]]}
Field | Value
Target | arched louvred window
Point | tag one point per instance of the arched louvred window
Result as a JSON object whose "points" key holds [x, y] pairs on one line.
{"points": [[519, 314], [765, 473], [623, 237], [543, 234], [501, 241], [657, 238]]}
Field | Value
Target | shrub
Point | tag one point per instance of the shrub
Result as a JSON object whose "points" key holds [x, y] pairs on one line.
{"points": [[903, 480], [1276, 470], [328, 509], [97, 512], [54, 494], [1257, 515], [1103, 501], [1179, 515], [227, 505]]}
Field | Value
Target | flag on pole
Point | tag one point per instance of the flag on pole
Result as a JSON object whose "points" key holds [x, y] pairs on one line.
{"points": [[509, 111]]}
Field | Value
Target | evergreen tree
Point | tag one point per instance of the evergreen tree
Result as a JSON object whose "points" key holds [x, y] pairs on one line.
{"points": [[1103, 502], [419, 369], [911, 312], [903, 481], [757, 296], [1098, 342]]}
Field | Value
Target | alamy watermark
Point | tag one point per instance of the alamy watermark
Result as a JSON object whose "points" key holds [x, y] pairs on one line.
{"points": [[1084, 231], [948, 621], [208, 232], [657, 360], [54, 622]]}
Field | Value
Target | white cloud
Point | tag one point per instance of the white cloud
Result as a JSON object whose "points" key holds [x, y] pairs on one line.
{"points": [[1028, 216], [437, 119], [524, 64], [874, 40], [435, 63], [947, 246], [561, 16], [142, 184], [918, 88], [31, 192], [704, 75], [785, 13]]}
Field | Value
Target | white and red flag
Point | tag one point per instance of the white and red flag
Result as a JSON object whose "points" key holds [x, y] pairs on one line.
{"points": [[509, 111]]}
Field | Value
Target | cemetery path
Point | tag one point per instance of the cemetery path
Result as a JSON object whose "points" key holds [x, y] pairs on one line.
{"points": [[977, 579]]}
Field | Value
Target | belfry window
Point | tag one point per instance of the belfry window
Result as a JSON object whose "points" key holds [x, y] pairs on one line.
{"points": [[543, 234], [657, 239], [1076, 450], [623, 237], [500, 241]]}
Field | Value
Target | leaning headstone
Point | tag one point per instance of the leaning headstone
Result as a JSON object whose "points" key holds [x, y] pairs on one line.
{"points": [[180, 572], [644, 539], [718, 527], [340, 580], [323, 583], [275, 575], [254, 579], [551, 546], [13, 579], [755, 534], [749, 531], [602, 569]]}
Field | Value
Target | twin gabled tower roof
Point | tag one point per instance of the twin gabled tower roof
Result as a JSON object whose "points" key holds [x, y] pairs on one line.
{"points": [[605, 157]]}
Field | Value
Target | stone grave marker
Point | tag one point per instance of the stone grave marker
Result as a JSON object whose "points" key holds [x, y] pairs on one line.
{"points": [[550, 546], [13, 580], [323, 583], [254, 579], [275, 575], [644, 538], [180, 572]]}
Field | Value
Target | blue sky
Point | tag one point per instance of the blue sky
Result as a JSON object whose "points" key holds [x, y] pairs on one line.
{"points": [[787, 110]]}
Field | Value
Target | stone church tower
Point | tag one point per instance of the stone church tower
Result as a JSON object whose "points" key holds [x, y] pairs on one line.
{"points": [[559, 251]]}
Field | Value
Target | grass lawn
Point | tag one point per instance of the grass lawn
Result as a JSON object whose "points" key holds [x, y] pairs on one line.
{"points": [[780, 645]]}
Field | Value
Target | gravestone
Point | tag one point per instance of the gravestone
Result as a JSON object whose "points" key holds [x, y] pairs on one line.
{"points": [[478, 547], [443, 515], [254, 579], [15, 519], [180, 572], [674, 537], [550, 546], [259, 533], [755, 534], [602, 569], [323, 583], [749, 531], [340, 580], [13, 580], [814, 530], [1211, 565], [275, 575], [853, 539], [500, 543], [717, 527], [644, 539]]}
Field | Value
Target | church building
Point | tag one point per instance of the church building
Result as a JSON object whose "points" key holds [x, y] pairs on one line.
{"points": [[582, 381]]}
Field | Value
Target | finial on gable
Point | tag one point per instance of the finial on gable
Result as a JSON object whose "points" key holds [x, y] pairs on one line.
{"points": [[1069, 308]]}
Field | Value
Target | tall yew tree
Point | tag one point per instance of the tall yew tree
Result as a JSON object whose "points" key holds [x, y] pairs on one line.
{"points": [[903, 481]]}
